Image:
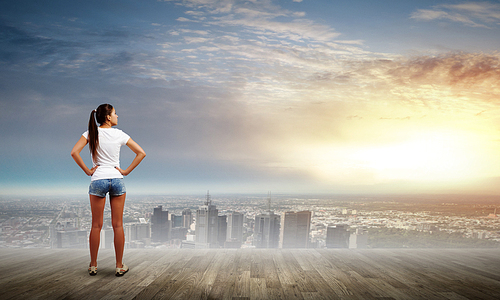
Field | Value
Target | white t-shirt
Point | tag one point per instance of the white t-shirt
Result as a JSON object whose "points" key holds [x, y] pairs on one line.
{"points": [[108, 153]]}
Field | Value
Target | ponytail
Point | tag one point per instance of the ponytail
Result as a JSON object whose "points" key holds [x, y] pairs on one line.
{"points": [[93, 136], [97, 116]]}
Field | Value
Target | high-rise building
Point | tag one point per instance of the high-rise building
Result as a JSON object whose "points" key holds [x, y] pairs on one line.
{"points": [[65, 234], [187, 218], [160, 225], [337, 236], [267, 229], [178, 233], [176, 220], [207, 225], [295, 227], [72, 239], [222, 230], [358, 239], [235, 227], [107, 238], [137, 231]]}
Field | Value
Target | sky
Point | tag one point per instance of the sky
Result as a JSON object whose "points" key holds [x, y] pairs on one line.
{"points": [[288, 96]]}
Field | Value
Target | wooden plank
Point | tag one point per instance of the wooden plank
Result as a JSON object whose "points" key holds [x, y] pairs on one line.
{"points": [[303, 282], [289, 285], [170, 269], [242, 285], [324, 290], [38, 276], [186, 280], [354, 289], [257, 266], [224, 283], [278, 274], [242, 279], [258, 288], [271, 275], [210, 271], [330, 274]]}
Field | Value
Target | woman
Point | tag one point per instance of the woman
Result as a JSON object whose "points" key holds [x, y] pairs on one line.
{"points": [[107, 177]]}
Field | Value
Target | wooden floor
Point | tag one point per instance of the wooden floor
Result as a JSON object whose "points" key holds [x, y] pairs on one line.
{"points": [[253, 274]]}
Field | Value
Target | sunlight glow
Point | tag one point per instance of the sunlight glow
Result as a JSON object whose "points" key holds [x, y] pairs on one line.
{"points": [[434, 156]]}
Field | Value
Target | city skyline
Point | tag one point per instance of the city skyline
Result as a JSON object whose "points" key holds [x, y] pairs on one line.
{"points": [[338, 222], [293, 96]]}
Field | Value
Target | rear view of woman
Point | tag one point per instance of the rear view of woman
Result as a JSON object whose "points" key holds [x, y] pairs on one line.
{"points": [[107, 177]]}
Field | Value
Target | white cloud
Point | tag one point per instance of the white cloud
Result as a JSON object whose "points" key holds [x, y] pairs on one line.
{"points": [[182, 19], [473, 14], [192, 40], [200, 32]]}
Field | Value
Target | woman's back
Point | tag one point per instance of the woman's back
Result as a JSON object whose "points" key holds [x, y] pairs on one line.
{"points": [[108, 153]]}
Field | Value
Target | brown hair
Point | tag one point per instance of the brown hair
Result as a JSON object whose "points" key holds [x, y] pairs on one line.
{"points": [[97, 116]]}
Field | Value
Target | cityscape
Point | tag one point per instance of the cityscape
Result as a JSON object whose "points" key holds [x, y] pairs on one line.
{"points": [[259, 221]]}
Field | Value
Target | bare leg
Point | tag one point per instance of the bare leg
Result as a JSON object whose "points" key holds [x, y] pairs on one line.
{"points": [[97, 207], [117, 204]]}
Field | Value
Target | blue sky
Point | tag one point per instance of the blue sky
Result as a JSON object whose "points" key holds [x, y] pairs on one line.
{"points": [[251, 96]]}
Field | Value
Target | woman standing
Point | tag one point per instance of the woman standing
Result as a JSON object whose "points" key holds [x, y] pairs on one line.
{"points": [[107, 177]]}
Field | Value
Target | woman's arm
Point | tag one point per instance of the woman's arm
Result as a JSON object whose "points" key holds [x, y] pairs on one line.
{"points": [[75, 153], [139, 156]]}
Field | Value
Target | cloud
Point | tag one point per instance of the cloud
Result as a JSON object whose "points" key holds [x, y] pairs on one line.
{"points": [[473, 14], [182, 19], [228, 91], [453, 69]]}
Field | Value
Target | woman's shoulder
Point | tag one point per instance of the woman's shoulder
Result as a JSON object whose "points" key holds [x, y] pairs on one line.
{"points": [[111, 130], [117, 132]]}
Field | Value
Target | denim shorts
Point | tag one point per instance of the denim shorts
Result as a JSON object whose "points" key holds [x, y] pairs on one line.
{"points": [[114, 186]]}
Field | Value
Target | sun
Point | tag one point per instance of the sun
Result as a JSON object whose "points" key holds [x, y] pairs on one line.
{"points": [[440, 156]]}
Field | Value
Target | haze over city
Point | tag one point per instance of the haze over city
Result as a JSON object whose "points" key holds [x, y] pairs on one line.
{"points": [[297, 96]]}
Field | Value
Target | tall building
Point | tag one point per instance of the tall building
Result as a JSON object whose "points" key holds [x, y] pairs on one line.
{"points": [[107, 238], [358, 239], [207, 225], [235, 227], [267, 229], [137, 231], [187, 218], [160, 225], [222, 230], [337, 236], [295, 227], [65, 234], [72, 239], [137, 235], [176, 220], [178, 233]]}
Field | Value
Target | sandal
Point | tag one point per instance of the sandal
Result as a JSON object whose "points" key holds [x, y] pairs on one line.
{"points": [[92, 270], [122, 270]]}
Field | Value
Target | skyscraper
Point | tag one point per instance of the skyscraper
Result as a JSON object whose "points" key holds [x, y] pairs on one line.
{"points": [[187, 218], [337, 236], [267, 229], [235, 227], [358, 239], [222, 230], [160, 225], [295, 227], [206, 228], [176, 220]]}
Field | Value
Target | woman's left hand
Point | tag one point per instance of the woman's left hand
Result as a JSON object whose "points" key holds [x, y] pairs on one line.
{"points": [[121, 171]]}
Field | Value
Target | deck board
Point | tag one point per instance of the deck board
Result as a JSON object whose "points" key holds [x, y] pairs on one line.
{"points": [[249, 274]]}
